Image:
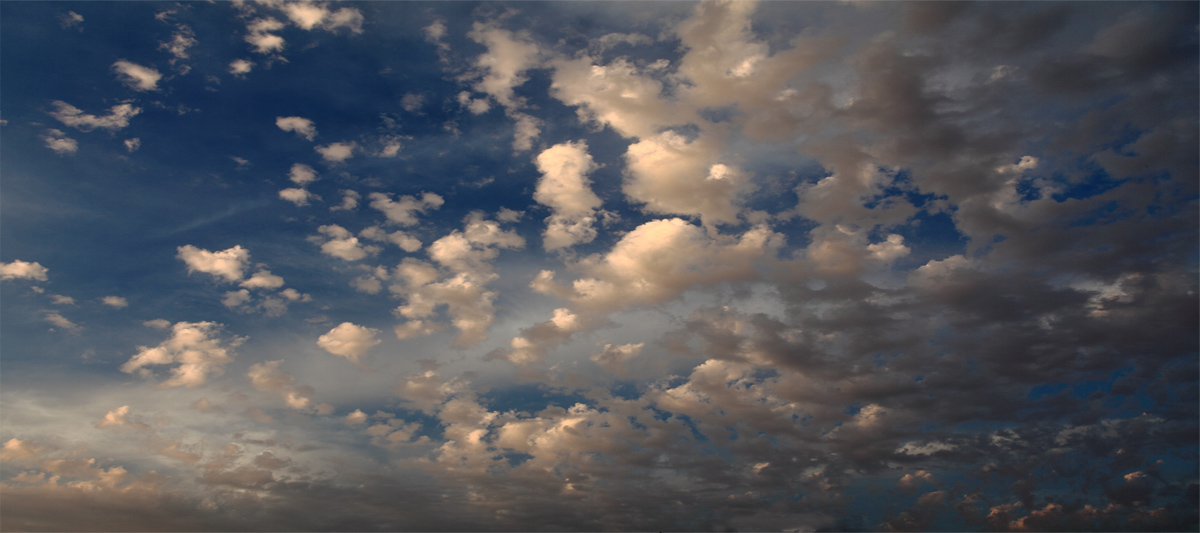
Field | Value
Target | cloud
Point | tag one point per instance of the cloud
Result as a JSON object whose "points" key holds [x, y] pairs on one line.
{"points": [[303, 127], [240, 67], [58, 141], [308, 16], [349, 201], [133, 144], [56, 319], [183, 39], [268, 377], [564, 188], [259, 35], [412, 102], [137, 77], [350, 341], [117, 118], [616, 358], [403, 211], [18, 269], [672, 175], [405, 241], [263, 279], [297, 195], [71, 19], [342, 244], [194, 346], [59, 299], [226, 264], [115, 301], [337, 152]]}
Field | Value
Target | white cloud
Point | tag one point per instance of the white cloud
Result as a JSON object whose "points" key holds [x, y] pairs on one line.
{"points": [[343, 244], [503, 66], [295, 295], [71, 19], [158, 323], [133, 144], [240, 67], [268, 377], [19, 269], [349, 340], [297, 195], [355, 418], [674, 176], [302, 174], [349, 201], [57, 319], [405, 241], [308, 15], [59, 299], [302, 126], [235, 298], [564, 187], [617, 95], [263, 279], [259, 34], [477, 106], [117, 118], [337, 152], [115, 301], [180, 41], [196, 348], [137, 77], [227, 264], [412, 102], [403, 211], [661, 259], [615, 358], [58, 141]]}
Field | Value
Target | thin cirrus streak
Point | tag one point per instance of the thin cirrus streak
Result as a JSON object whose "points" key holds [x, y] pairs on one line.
{"points": [[599, 266]]}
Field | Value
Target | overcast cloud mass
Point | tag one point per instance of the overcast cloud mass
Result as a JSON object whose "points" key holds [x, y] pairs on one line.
{"points": [[599, 266]]}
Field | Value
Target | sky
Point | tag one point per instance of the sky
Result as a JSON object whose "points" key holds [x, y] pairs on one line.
{"points": [[721, 266]]}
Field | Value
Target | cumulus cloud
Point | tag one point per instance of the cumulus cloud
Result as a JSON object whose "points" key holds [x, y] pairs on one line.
{"points": [[301, 126], [337, 152], [672, 175], [240, 67], [564, 188], [404, 210], [349, 201], [18, 269], [308, 16], [115, 301], [350, 341], [133, 144], [226, 264], [137, 77], [263, 279], [268, 377], [297, 195], [56, 319], [405, 241], [118, 117], [342, 244], [195, 347], [58, 141], [258, 34]]}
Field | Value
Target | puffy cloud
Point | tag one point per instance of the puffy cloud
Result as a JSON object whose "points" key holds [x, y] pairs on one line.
{"points": [[309, 15], [302, 127], [181, 40], [18, 269], [672, 175], [56, 319], [118, 116], [236, 298], [465, 256], [259, 34], [661, 259], [71, 19], [59, 299], [617, 95], [530, 347], [503, 66], [342, 244], [226, 264], [194, 346], [337, 152], [58, 141], [137, 77], [349, 201], [240, 67], [403, 211], [616, 358], [564, 187], [349, 340], [412, 102], [268, 377], [133, 144], [263, 279], [115, 301], [355, 418], [297, 196], [405, 241], [158, 323]]}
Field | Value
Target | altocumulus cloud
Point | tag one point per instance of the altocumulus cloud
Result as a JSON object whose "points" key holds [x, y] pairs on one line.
{"points": [[600, 266]]}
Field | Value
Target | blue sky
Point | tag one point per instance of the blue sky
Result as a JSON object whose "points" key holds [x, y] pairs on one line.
{"points": [[598, 265]]}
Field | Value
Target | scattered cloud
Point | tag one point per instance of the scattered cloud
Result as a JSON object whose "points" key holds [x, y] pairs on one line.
{"points": [[117, 118], [115, 301], [350, 341], [137, 77], [300, 125], [18, 269]]}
